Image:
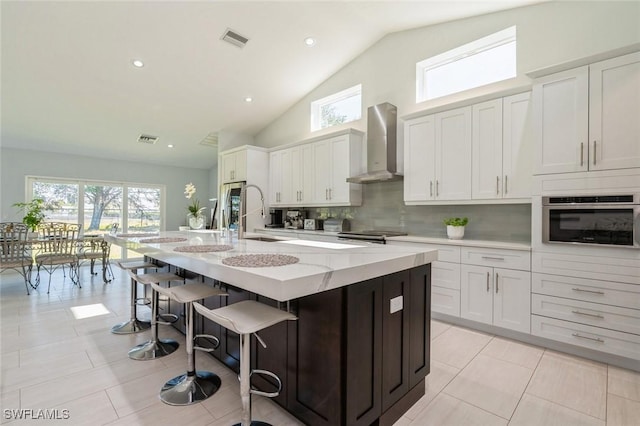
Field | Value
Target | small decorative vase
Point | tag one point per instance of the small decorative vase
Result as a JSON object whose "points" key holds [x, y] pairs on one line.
{"points": [[195, 222], [455, 232]]}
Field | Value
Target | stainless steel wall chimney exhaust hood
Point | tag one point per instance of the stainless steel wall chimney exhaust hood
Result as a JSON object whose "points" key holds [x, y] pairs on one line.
{"points": [[382, 122]]}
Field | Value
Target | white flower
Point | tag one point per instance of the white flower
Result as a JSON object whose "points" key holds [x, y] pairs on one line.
{"points": [[189, 190]]}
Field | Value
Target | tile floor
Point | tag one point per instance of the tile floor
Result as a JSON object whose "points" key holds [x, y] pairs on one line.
{"points": [[53, 360]]}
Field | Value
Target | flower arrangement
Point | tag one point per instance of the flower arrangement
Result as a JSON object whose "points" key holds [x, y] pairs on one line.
{"points": [[194, 208]]}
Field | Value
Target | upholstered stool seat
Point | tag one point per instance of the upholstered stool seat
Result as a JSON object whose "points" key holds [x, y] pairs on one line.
{"points": [[194, 386], [246, 318], [133, 325], [156, 347]]}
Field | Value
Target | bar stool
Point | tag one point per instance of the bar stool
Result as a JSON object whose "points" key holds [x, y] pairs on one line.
{"points": [[134, 325], [156, 347], [246, 318], [194, 386]]}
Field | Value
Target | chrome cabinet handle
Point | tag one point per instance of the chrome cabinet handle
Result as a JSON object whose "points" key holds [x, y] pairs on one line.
{"points": [[492, 258], [437, 188], [497, 276], [588, 291], [581, 154], [595, 339], [594, 153], [326, 194], [330, 195], [505, 183], [588, 314], [487, 282], [431, 188], [497, 185]]}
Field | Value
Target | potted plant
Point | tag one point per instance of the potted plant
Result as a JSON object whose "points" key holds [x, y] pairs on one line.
{"points": [[455, 227], [33, 212], [195, 218]]}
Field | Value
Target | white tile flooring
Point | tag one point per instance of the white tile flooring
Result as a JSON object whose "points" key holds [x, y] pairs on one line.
{"points": [[51, 360]]}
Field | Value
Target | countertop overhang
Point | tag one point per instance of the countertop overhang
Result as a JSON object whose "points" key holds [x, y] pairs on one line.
{"points": [[319, 269]]}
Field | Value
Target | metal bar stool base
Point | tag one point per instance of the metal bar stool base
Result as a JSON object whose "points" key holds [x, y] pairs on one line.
{"points": [[153, 349], [130, 327], [187, 390]]}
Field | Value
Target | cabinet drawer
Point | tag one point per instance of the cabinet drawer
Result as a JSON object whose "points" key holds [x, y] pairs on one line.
{"points": [[599, 339], [604, 316], [605, 267], [445, 274], [509, 259], [606, 292], [445, 301]]}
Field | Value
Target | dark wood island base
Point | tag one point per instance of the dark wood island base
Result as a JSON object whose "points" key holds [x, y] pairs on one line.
{"points": [[358, 355]]}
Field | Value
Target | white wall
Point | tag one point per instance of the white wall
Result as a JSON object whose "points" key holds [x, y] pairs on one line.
{"points": [[548, 34], [15, 164]]}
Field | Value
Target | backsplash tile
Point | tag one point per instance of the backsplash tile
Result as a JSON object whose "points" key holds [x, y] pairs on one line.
{"points": [[383, 208]]}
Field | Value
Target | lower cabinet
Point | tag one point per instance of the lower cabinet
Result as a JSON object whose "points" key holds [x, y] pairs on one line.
{"points": [[496, 296], [352, 354]]}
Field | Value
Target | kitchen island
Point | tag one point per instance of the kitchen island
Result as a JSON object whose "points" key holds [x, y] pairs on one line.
{"points": [[359, 352]]}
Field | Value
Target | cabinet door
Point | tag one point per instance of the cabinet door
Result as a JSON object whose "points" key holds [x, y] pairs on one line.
{"points": [[419, 159], [340, 170], [301, 174], [614, 111], [228, 167], [275, 178], [453, 154], [322, 159], [517, 146], [476, 297], [240, 171], [560, 117], [512, 299], [487, 150], [419, 307]]}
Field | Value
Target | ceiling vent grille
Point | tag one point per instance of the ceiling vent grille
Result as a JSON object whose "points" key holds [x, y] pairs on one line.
{"points": [[234, 38], [148, 139], [211, 140]]}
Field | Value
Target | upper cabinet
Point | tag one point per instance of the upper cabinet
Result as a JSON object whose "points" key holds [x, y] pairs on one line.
{"points": [[587, 118], [246, 163], [315, 173], [234, 165], [502, 147], [438, 157]]}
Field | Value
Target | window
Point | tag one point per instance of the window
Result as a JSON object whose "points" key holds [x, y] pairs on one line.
{"points": [[97, 205], [484, 61], [339, 108]]}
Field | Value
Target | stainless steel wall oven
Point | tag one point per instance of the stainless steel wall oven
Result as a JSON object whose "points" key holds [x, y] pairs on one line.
{"points": [[608, 220]]}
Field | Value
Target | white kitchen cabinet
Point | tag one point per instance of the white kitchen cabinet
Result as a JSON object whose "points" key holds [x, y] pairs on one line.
{"points": [[496, 296], [419, 159], [486, 151], [438, 157], [561, 116], [234, 166], [302, 174], [280, 177], [614, 111], [517, 146], [335, 160], [586, 118]]}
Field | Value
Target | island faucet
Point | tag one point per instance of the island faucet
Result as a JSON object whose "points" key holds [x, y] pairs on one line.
{"points": [[243, 193]]}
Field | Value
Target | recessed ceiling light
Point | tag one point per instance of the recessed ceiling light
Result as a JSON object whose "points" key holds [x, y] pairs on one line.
{"points": [[309, 41], [170, 146], [138, 63], [248, 99]]}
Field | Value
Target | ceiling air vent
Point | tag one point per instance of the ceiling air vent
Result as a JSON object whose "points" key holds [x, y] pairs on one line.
{"points": [[211, 140], [234, 38], [148, 139]]}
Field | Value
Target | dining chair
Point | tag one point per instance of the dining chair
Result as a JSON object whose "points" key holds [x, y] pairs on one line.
{"points": [[95, 248], [15, 250], [58, 247]]}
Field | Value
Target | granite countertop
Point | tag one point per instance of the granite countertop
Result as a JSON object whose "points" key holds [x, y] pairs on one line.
{"points": [[324, 266]]}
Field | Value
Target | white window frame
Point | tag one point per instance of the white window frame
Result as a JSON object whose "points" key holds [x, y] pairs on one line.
{"points": [[316, 106], [483, 44]]}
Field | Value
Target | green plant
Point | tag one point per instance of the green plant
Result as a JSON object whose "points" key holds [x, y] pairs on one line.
{"points": [[33, 212], [456, 221], [194, 208]]}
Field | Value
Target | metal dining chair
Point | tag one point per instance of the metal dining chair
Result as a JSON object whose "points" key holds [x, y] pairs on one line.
{"points": [[58, 247], [15, 250]]}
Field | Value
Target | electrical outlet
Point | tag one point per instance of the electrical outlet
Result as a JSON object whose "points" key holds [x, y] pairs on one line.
{"points": [[395, 304]]}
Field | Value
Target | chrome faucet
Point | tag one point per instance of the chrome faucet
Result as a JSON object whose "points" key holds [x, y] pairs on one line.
{"points": [[243, 194]]}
